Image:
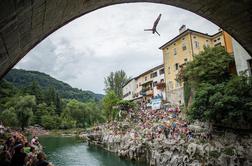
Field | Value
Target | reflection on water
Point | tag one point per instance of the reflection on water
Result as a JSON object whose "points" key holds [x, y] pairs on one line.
{"points": [[67, 151]]}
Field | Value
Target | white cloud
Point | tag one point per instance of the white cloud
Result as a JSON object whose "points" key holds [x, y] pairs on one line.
{"points": [[84, 51]]}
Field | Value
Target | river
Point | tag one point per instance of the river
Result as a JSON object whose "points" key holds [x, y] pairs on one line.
{"points": [[68, 151]]}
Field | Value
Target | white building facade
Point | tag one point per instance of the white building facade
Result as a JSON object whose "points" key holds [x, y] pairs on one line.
{"points": [[148, 85], [129, 89], [243, 61]]}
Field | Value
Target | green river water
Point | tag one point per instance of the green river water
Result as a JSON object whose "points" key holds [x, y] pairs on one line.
{"points": [[68, 151]]}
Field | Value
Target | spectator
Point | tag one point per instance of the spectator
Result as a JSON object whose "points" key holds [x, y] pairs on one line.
{"points": [[19, 158], [42, 160]]}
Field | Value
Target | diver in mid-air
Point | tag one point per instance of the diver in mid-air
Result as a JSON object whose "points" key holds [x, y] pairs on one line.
{"points": [[154, 28]]}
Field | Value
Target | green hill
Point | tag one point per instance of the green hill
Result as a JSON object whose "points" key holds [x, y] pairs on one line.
{"points": [[23, 78]]}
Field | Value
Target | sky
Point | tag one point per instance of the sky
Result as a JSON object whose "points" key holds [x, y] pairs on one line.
{"points": [[87, 49]]}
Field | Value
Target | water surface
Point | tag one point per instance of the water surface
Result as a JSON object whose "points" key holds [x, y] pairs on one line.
{"points": [[68, 151]]}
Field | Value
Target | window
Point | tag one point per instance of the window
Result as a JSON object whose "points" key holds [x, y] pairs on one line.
{"points": [[176, 66], [218, 39], [183, 46], [185, 60], [215, 40], [207, 43], [162, 80], [153, 75], [175, 51], [161, 71], [145, 78], [218, 44], [154, 83], [196, 44], [194, 37]]}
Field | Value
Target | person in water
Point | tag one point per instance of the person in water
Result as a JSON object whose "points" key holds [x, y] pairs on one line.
{"points": [[42, 160]]}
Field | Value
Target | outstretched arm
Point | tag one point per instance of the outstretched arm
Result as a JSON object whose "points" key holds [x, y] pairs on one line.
{"points": [[157, 33]]}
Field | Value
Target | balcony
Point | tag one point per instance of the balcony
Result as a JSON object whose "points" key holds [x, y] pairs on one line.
{"points": [[147, 92]]}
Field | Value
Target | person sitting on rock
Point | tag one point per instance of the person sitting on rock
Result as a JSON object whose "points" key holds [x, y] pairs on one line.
{"points": [[42, 160], [32, 157]]}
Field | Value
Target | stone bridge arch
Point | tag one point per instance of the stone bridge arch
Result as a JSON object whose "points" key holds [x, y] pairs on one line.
{"points": [[24, 23]]}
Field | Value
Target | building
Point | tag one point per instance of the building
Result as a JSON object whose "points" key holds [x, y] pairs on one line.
{"points": [[243, 61], [180, 50], [148, 85], [129, 89]]}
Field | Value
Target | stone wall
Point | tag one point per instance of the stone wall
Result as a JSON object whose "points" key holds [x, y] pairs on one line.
{"points": [[176, 96], [225, 150]]}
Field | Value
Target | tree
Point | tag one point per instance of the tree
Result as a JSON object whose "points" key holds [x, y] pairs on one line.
{"points": [[76, 110], [35, 90], [209, 66], [50, 96], [41, 110], [219, 97], [50, 122], [24, 106], [9, 117], [115, 82], [58, 104], [110, 100]]}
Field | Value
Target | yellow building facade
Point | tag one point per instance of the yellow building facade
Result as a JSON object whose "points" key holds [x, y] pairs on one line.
{"points": [[180, 50]]}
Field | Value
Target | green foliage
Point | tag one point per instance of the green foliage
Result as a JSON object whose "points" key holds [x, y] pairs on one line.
{"points": [[9, 117], [50, 122], [25, 79], [219, 97], [229, 151], [41, 110], [34, 103], [23, 107], [110, 100], [187, 93], [214, 154], [115, 82], [209, 66], [126, 105]]}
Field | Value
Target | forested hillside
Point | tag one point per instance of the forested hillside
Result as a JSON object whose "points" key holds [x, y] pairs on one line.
{"points": [[23, 79], [29, 97]]}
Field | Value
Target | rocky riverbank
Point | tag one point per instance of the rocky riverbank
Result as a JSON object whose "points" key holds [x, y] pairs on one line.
{"points": [[163, 139]]}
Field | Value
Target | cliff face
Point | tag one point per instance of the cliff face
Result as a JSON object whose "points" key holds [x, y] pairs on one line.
{"points": [[225, 150], [164, 139]]}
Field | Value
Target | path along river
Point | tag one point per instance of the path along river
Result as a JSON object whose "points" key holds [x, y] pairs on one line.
{"points": [[68, 151]]}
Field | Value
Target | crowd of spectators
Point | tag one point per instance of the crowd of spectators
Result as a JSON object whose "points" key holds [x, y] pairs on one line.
{"points": [[150, 125], [17, 151]]}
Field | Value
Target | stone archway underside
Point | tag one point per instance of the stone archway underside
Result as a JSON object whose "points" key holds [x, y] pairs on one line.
{"points": [[24, 23]]}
